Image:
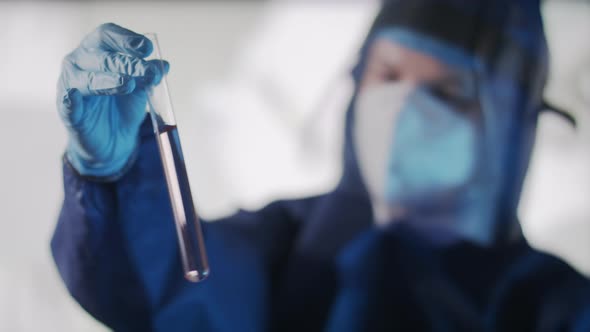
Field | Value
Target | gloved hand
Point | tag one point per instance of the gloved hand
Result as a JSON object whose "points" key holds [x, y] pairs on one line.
{"points": [[101, 98]]}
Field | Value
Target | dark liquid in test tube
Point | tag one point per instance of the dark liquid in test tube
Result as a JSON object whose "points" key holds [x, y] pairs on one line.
{"points": [[188, 226]]}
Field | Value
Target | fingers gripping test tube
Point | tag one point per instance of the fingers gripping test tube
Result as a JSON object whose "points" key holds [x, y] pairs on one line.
{"points": [[188, 225]]}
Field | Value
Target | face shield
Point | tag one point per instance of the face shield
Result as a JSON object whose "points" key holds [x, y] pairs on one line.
{"points": [[448, 154]]}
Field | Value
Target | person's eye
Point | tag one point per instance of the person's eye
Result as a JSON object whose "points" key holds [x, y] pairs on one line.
{"points": [[453, 95], [391, 76]]}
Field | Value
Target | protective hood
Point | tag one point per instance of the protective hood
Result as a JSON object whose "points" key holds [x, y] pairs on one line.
{"points": [[507, 42]]}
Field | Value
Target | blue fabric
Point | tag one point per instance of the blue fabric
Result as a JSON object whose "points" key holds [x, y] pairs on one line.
{"points": [[394, 280]]}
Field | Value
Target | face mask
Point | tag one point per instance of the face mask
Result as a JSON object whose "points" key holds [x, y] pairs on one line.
{"points": [[433, 150], [415, 152], [375, 117]]}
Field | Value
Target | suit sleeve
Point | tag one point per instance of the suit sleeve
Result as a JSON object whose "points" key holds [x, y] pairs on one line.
{"points": [[116, 250]]}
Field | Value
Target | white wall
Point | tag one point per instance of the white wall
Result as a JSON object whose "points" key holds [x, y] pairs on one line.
{"points": [[554, 209]]}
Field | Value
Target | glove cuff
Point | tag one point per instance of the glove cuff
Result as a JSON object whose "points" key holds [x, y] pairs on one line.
{"points": [[109, 173]]}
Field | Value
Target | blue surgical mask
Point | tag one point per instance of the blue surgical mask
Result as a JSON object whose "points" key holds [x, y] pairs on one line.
{"points": [[422, 158], [433, 149]]}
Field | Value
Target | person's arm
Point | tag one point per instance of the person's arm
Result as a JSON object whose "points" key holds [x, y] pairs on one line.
{"points": [[115, 247], [92, 255], [115, 243]]}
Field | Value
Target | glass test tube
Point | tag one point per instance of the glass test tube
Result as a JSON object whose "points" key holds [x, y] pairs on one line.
{"points": [[188, 226]]}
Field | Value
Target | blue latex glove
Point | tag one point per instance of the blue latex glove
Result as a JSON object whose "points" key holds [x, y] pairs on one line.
{"points": [[101, 98]]}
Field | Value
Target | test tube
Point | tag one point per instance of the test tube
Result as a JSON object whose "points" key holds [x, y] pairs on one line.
{"points": [[188, 225]]}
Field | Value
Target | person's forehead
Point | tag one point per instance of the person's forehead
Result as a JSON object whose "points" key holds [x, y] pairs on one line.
{"points": [[422, 46], [406, 63]]}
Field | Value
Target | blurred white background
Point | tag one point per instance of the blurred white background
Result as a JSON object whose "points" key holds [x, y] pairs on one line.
{"points": [[259, 90]]}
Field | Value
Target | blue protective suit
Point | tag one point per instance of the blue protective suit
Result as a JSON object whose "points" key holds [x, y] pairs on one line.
{"points": [[317, 264]]}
